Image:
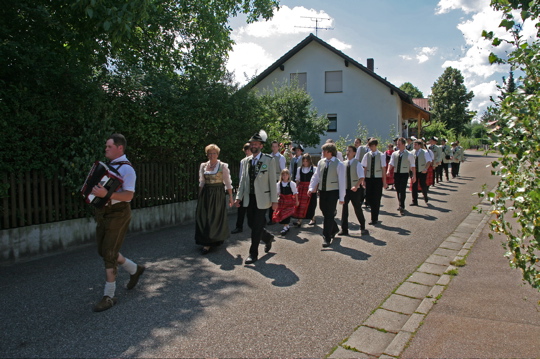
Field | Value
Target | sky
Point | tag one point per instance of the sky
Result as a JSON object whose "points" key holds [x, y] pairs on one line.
{"points": [[409, 40]]}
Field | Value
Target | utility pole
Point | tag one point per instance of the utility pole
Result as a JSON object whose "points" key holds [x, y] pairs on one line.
{"points": [[317, 21]]}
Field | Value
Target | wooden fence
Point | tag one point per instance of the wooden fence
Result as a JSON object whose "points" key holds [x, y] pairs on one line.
{"points": [[32, 199]]}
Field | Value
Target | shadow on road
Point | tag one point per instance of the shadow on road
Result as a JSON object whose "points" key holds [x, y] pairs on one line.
{"points": [[282, 276], [351, 252]]}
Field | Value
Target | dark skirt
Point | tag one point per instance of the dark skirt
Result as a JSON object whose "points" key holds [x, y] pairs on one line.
{"points": [[212, 226]]}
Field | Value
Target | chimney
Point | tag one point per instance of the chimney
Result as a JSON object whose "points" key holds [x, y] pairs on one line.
{"points": [[371, 65]]}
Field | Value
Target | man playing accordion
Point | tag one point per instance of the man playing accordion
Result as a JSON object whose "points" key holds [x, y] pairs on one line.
{"points": [[113, 221]]}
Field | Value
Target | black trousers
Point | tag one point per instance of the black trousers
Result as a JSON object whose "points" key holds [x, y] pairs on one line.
{"points": [[455, 169], [445, 169], [374, 189], [439, 172], [356, 198], [328, 203], [420, 179], [257, 221], [400, 183], [241, 214]]}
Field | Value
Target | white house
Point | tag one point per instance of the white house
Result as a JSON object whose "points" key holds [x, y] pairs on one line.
{"points": [[345, 90]]}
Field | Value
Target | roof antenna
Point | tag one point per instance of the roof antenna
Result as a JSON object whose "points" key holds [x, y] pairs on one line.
{"points": [[317, 20]]}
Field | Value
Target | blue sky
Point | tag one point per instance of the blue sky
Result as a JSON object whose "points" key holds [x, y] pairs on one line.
{"points": [[410, 40]]}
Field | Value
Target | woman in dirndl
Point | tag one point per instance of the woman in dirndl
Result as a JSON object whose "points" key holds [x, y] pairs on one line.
{"points": [[212, 227], [390, 173], [430, 177], [287, 201], [306, 204]]}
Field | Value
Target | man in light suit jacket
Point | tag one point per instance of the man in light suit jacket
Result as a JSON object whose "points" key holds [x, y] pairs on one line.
{"points": [[258, 192]]}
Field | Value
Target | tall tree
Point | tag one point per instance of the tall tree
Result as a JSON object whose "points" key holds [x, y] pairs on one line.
{"points": [[411, 90], [449, 100]]}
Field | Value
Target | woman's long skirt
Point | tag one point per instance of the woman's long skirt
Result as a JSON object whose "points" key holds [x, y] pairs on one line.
{"points": [[212, 226], [307, 205]]}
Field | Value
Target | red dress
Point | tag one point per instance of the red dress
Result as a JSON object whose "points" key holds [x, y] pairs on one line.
{"points": [[286, 204], [390, 177]]}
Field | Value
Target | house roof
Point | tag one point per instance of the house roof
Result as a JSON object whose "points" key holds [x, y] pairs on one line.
{"points": [[422, 103], [281, 61]]}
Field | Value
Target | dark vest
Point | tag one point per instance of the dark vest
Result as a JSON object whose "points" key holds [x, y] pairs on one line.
{"points": [[306, 177]]}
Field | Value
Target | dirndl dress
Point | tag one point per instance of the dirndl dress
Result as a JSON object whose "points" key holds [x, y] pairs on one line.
{"points": [[212, 226], [390, 177], [306, 204], [430, 176], [286, 204]]}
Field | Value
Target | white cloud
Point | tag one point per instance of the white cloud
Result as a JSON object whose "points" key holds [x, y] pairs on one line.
{"points": [[423, 54], [467, 6], [482, 93], [339, 44], [287, 21], [246, 59]]}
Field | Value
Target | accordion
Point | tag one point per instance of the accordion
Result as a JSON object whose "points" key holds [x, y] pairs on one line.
{"points": [[102, 174]]}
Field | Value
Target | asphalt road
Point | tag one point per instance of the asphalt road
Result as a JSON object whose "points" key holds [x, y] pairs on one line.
{"points": [[299, 300]]}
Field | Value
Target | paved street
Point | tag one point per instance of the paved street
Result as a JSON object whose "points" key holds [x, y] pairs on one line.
{"points": [[300, 300]]}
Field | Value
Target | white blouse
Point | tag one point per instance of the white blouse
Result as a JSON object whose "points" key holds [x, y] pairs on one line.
{"points": [[226, 173], [293, 187]]}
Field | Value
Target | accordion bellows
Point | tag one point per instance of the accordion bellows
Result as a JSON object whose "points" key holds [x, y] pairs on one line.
{"points": [[102, 174]]}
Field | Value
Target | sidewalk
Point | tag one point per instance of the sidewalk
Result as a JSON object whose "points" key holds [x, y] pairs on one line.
{"points": [[482, 312]]}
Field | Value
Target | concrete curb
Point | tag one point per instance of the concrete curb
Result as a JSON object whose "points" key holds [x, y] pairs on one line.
{"points": [[388, 330]]}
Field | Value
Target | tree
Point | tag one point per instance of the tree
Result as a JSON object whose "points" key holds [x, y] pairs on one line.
{"points": [[449, 100], [78, 70], [290, 116], [411, 90], [517, 194]]}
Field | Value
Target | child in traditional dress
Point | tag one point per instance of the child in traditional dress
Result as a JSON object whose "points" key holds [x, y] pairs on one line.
{"points": [[307, 205], [287, 202]]}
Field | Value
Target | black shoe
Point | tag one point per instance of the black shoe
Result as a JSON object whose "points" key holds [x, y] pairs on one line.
{"points": [[312, 223], [326, 243], [414, 204], [364, 231], [205, 251], [426, 200], [134, 279], [284, 231], [267, 246], [250, 260], [373, 222], [237, 230], [343, 233]]}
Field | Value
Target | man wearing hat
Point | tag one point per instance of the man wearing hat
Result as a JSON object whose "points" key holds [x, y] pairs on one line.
{"points": [[446, 158], [410, 141], [437, 157], [258, 192]]}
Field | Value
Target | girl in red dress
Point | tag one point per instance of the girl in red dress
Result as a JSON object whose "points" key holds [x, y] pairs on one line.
{"points": [[287, 202]]}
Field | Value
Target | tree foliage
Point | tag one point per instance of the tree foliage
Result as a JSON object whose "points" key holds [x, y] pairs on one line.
{"points": [[411, 90], [518, 193], [290, 116], [449, 100], [71, 72]]}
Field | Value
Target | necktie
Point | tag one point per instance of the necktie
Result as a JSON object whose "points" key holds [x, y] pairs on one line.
{"points": [[416, 161], [349, 181], [399, 163]]}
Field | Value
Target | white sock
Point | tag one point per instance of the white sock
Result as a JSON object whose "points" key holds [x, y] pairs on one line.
{"points": [[110, 288], [129, 266]]}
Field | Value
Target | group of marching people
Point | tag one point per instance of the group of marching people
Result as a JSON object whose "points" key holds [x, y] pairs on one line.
{"points": [[277, 187]]}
